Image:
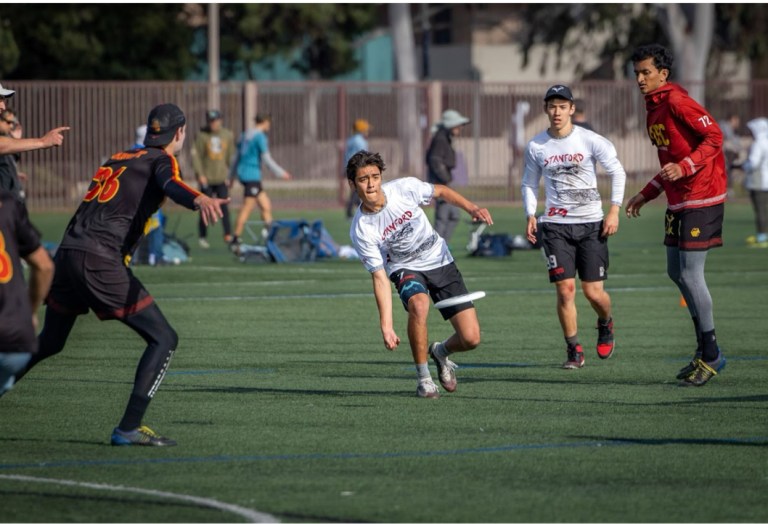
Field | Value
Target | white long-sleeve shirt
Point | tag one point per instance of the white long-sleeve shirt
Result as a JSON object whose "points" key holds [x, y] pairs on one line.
{"points": [[570, 180], [756, 165]]}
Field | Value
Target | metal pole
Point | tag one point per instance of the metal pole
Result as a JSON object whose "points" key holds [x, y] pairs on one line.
{"points": [[214, 100]]}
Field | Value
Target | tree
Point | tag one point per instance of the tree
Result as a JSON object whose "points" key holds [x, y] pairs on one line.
{"points": [[98, 41], [9, 51], [315, 39], [614, 30]]}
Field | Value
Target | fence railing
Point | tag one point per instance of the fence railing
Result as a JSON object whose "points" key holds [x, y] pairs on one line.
{"points": [[311, 121]]}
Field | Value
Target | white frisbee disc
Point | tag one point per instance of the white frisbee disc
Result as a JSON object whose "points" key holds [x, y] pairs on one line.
{"points": [[461, 299]]}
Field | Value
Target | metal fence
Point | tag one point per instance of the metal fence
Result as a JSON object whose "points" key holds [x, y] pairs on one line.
{"points": [[311, 122]]}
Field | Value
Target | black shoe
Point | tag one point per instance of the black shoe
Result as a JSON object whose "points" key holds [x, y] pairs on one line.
{"points": [[575, 357], [690, 367]]}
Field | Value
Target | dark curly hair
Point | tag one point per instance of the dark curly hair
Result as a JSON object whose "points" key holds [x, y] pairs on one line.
{"points": [[662, 57], [362, 159]]}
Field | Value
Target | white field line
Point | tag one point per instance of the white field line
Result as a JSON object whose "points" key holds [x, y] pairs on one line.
{"points": [[251, 515]]}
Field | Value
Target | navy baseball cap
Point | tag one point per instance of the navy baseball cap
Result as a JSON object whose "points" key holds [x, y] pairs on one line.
{"points": [[162, 123], [559, 91], [212, 114]]}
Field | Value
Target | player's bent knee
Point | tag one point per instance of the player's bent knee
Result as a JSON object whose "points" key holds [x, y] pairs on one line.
{"points": [[169, 339]]}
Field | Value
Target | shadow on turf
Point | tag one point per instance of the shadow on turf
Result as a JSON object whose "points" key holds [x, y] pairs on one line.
{"points": [[129, 502], [752, 442], [57, 440]]}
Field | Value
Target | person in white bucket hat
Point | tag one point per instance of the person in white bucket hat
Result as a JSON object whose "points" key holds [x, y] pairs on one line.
{"points": [[441, 160]]}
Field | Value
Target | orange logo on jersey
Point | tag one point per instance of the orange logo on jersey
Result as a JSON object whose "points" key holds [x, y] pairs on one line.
{"points": [[695, 232], [128, 156], [6, 265], [658, 135]]}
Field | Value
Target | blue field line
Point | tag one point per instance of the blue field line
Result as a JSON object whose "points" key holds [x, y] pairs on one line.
{"points": [[219, 371], [385, 455]]}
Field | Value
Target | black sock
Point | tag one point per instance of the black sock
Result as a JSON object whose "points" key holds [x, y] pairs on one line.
{"points": [[572, 341], [698, 334], [709, 346], [137, 406], [606, 321]]}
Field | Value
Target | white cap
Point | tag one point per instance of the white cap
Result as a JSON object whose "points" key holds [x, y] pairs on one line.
{"points": [[6, 92]]}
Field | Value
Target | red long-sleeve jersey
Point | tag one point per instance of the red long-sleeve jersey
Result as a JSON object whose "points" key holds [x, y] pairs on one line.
{"points": [[686, 134]]}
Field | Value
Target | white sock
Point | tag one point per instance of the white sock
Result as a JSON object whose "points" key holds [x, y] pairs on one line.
{"points": [[422, 370], [441, 351]]}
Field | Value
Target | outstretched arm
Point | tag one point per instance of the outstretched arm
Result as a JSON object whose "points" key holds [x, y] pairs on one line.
{"points": [[53, 138], [452, 197]]}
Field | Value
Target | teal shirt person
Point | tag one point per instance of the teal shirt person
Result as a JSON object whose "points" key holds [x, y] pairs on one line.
{"points": [[252, 149]]}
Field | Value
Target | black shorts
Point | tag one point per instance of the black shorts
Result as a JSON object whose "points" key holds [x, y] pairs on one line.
{"points": [[215, 190], [694, 229], [441, 283], [575, 247], [252, 189], [84, 281]]}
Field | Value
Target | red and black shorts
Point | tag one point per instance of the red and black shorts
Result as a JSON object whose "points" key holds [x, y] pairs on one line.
{"points": [[252, 189], [440, 283], [696, 229], [572, 248], [84, 281]]}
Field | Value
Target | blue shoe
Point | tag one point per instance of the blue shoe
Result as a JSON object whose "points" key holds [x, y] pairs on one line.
{"points": [[704, 371], [142, 436]]}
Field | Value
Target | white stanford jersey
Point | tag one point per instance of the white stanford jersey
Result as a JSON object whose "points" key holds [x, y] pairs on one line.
{"points": [[570, 180], [400, 235]]}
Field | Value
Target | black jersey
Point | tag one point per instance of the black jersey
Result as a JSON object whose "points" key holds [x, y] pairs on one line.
{"points": [[18, 238], [123, 194]]}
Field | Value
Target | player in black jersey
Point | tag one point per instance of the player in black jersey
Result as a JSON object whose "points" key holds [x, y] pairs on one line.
{"points": [[19, 304], [91, 262]]}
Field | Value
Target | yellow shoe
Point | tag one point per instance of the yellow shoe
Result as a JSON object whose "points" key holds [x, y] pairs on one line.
{"points": [[759, 245], [752, 239]]}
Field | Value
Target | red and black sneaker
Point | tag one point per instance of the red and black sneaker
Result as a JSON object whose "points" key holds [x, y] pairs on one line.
{"points": [[575, 357], [605, 342]]}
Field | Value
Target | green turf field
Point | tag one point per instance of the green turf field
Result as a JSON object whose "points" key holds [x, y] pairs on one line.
{"points": [[286, 405]]}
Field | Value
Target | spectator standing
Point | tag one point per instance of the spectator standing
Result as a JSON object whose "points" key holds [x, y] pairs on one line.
{"points": [[9, 174], [358, 141], [212, 155], [580, 115], [756, 170], [441, 160]]}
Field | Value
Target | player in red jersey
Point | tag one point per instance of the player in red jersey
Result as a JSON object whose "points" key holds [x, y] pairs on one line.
{"points": [[91, 261], [693, 176]]}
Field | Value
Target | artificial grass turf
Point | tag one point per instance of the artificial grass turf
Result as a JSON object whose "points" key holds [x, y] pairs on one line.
{"points": [[284, 400]]}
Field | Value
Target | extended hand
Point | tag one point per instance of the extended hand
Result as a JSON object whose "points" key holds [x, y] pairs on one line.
{"points": [[634, 205], [481, 214], [54, 137], [210, 208]]}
